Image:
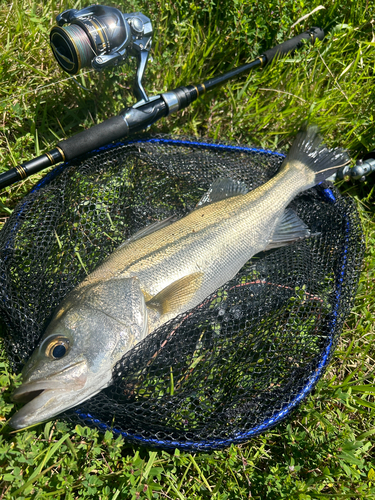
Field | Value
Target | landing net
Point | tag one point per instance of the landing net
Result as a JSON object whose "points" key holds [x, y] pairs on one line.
{"points": [[235, 365]]}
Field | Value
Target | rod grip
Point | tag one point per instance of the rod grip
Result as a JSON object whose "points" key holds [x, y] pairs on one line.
{"points": [[110, 130], [292, 44]]}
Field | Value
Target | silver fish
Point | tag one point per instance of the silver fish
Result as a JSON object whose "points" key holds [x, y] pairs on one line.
{"points": [[162, 271]]}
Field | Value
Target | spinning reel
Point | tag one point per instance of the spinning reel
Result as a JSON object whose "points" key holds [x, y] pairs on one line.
{"points": [[101, 36]]}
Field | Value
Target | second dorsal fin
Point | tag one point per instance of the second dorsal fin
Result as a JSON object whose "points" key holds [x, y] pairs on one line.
{"points": [[222, 189]]}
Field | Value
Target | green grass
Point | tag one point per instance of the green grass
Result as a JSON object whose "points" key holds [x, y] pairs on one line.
{"points": [[326, 448]]}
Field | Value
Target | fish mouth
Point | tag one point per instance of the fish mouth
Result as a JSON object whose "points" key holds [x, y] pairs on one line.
{"points": [[26, 397], [71, 378], [47, 397]]}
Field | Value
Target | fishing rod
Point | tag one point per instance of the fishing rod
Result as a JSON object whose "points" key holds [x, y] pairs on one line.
{"points": [[101, 36]]}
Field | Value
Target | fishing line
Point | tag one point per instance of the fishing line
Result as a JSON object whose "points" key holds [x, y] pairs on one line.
{"points": [[38, 89], [336, 167], [247, 355]]}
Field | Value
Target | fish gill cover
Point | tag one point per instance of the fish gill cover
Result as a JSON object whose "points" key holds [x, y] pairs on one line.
{"points": [[235, 365]]}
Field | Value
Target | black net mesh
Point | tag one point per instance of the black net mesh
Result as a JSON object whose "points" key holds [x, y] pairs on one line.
{"points": [[235, 365]]}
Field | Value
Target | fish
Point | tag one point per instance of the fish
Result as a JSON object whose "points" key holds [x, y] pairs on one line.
{"points": [[162, 271]]}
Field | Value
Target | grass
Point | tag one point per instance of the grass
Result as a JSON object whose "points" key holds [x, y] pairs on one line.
{"points": [[326, 449]]}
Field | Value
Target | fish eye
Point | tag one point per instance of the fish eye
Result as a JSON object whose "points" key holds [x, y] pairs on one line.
{"points": [[57, 348]]}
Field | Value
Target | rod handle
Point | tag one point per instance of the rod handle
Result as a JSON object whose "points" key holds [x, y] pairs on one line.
{"points": [[110, 130], [9, 177], [128, 122], [290, 45]]}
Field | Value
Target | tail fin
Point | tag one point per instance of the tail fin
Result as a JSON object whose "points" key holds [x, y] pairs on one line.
{"points": [[308, 149]]}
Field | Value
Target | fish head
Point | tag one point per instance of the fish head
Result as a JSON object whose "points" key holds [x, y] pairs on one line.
{"points": [[74, 360], [55, 373]]}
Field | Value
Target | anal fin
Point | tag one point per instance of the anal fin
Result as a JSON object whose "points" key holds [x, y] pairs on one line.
{"points": [[290, 228]]}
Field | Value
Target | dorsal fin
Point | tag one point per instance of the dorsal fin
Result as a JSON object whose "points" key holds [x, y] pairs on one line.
{"points": [[222, 189], [145, 231]]}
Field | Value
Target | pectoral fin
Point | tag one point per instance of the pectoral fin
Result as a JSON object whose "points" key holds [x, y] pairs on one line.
{"points": [[290, 228], [177, 294]]}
